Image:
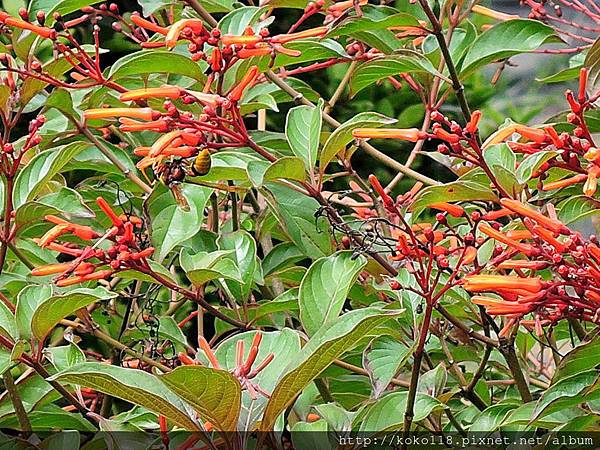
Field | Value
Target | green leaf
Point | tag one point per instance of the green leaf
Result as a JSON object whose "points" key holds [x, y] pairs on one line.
{"points": [[203, 267], [41, 169], [214, 394], [27, 302], [577, 208], [501, 160], [565, 392], [281, 256], [239, 19], [342, 135], [356, 24], [8, 323], [325, 287], [504, 40], [387, 413], [592, 62], [302, 130], [281, 344], [454, 191], [132, 385], [149, 62], [328, 344], [172, 224], [64, 356], [296, 213], [531, 164], [582, 358], [493, 417], [61, 100], [374, 70], [243, 254], [53, 310], [286, 168], [382, 360], [63, 7]]}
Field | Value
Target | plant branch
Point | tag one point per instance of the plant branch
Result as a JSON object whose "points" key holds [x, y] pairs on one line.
{"points": [[20, 412], [113, 159], [439, 35], [299, 98]]}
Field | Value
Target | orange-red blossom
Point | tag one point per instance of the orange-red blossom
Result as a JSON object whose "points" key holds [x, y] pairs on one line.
{"points": [[551, 224], [481, 283], [405, 134], [44, 32], [134, 113]]}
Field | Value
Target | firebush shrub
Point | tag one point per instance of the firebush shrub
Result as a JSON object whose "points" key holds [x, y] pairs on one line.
{"points": [[191, 240]]}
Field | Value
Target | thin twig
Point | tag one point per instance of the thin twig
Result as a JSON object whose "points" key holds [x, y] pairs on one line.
{"points": [[15, 398]]}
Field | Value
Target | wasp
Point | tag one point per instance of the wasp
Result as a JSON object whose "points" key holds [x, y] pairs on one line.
{"points": [[202, 162], [172, 173]]}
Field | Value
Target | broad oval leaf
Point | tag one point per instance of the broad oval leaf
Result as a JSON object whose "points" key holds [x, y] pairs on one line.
{"points": [[342, 135], [148, 62], [171, 223], [325, 287], [214, 394], [372, 71], [41, 169], [53, 310], [387, 413], [27, 302], [504, 40], [131, 385], [8, 323], [320, 351], [302, 130]]}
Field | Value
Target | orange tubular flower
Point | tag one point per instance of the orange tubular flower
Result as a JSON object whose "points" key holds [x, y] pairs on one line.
{"points": [[141, 22], [591, 183], [494, 215], [130, 125], [501, 237], [50, 269], [471, 127], [549, 238], [469, 255], [165, 91], [385, 198], [186, 360], [230, 39], [479, 283], [184, 152], [405, 134], [313, 32], [44, 32], [163, 142], [594, 252], [251, 52], [519, 234], [175, 30], [565, 182], [478, 9], [238, 90], [533, 134], [59, 248], [593, 296], [453, 210], [342, 6], [546, 222], [106, 209], [53, 234], [134, 113], [100, 275], [523, 264]]}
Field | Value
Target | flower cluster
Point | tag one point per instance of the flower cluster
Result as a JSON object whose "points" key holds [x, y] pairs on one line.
{"points": [[91, 262]]}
